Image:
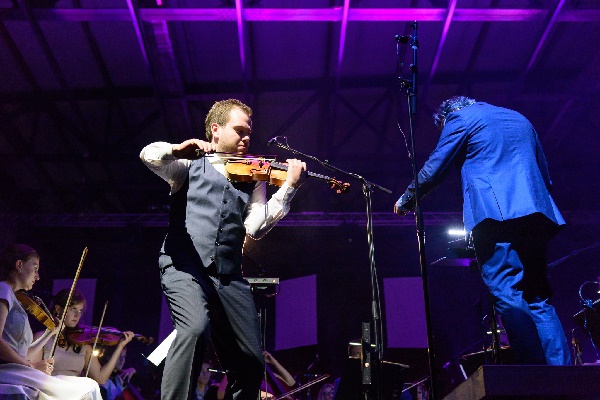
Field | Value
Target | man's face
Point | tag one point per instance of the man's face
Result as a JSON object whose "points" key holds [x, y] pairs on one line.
{"points": [[234, 137]]}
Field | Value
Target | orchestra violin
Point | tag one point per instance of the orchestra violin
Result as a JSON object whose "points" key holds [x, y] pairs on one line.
{"points": [[35, 307], [107, 336]]}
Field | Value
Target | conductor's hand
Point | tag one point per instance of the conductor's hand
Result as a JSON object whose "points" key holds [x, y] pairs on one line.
{"points": [[405, 203], [401, 211], [187, 149], [46, 366], [295, 175]]}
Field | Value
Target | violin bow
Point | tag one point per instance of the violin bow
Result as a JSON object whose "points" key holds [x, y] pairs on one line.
{"points": [[299, 388], [96, 339], [235, 156], [64, 313]]}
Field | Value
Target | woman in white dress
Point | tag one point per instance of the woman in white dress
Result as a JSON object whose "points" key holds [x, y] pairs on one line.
{"points": [[72, 358], [21, 378]]}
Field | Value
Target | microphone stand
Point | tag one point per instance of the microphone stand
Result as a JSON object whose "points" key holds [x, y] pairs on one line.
{"points": [[411, 93], [376, 321]]}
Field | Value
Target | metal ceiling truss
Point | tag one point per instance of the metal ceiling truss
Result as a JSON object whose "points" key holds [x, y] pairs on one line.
{"points": [[438, 53], [159, 220], [113, 101], [239, 17], [465, 85], [24, 149], [552, 19], [308, 103], [207, 90], [80, 130], [331, 14], [301, 219], [587, 94], [363, 118], [157, 50]]}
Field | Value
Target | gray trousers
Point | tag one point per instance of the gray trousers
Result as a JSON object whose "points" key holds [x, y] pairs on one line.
{"points": [[204, 305]]}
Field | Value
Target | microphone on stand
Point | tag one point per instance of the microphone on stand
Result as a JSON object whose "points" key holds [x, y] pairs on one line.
{"points": [[402, 39]]}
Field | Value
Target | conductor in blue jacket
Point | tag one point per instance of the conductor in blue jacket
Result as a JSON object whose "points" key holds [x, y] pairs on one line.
{"points": [[508, 209]]}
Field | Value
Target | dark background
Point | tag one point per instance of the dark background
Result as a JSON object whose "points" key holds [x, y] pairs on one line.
{"points": [[86, 85]]}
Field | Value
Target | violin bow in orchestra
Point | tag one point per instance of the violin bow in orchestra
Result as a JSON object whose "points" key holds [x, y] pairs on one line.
{"points": [[96, 339], [64, 313], [302, 387]]}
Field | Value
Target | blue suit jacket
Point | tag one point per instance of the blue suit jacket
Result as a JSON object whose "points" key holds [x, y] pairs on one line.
{"points": [[503, 168]]}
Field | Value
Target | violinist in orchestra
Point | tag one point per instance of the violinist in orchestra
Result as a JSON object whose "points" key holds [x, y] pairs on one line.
{"points": [[279, 380], [327, 392], [121, 377], [200, 260], [205, 389], [74, 351], [21, 373], [279, 371]]}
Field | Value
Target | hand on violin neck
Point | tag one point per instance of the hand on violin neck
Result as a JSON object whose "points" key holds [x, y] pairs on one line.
{"points": [[127, 337], [295, 175], [192, 149]]}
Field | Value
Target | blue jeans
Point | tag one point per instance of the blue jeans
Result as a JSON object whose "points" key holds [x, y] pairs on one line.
{"points": [[514, 267]]}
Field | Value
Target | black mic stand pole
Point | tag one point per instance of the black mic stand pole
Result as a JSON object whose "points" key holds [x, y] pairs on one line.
{"points": [[377, 324], [411, 91]]}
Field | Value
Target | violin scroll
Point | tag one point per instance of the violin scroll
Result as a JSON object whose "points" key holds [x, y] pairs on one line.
{"points": [[339, 186]]}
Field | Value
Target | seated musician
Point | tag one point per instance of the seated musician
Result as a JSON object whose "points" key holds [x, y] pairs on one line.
{"points": [[205, 389], [72, 356], [280, 382], [327, 392], [22, 376], [121, 377]]}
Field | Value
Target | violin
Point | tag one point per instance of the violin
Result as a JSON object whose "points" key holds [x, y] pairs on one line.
{"points": [[259, 169], [36, 308], [108, 336]]}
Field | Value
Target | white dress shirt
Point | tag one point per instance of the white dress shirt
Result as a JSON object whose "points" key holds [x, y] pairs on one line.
{"points": [[261, 215]]}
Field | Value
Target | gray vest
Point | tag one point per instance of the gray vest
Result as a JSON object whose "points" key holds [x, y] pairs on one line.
{"points": [[210, 210]]}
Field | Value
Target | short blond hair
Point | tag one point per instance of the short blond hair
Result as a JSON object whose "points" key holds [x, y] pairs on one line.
{"points": [[219, 114]]}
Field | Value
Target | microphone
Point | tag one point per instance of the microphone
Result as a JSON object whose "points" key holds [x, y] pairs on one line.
{"points": [[402, 39], [273, 140]]}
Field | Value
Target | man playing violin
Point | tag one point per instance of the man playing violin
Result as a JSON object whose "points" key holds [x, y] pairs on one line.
{"points": [[200, 261]]}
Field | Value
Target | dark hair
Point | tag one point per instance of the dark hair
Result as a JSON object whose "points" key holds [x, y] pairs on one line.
{"points": [[452, 104], [60, 298], [219, 114], [13, 253]]}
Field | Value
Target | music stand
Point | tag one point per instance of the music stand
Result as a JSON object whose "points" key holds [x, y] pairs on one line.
{"points": [[350, 386], [589, 320]]}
